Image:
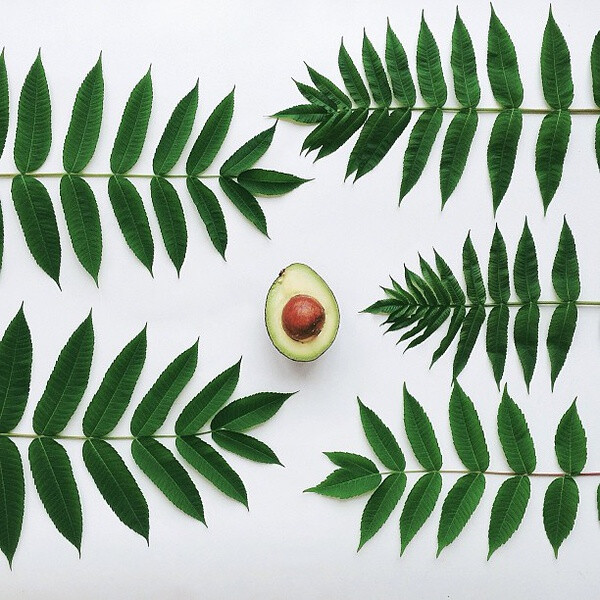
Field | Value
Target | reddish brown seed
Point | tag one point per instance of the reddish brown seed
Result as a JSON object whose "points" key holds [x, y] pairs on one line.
{"points": [[303, 317]]}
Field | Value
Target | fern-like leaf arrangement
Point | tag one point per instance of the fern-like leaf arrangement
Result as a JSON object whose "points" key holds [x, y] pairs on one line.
{"points": [[209, 413], [358, 475], [435, 297], [238, 178], [380, 105]]}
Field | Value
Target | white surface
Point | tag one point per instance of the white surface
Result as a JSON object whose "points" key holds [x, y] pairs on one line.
{"points": [[294, 545]]}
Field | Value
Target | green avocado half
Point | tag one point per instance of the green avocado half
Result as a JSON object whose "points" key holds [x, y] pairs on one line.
{"points": [[301, 313]]}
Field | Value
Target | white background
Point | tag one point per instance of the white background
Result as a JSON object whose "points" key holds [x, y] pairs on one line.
{"points": [[294, 545]]}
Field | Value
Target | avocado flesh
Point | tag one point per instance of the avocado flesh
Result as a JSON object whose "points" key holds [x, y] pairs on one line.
{"points": [[299, 279]]}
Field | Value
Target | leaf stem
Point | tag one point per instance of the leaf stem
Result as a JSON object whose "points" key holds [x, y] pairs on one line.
{"points": [[46, 175], [498, 473], [492, 110], [83, 438]]}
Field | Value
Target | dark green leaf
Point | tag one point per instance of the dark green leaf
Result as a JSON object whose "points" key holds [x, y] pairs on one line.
{"points": [[176, 133], [472, 271], [555, 61], [371, 128], [34, 128], [352, 462], [469, 333], [378, 83], [315, 96], [429, 68], [56, 487], [67, 382], [352, 80], [456, 323], [396, 62], [262, 182], [329, 89], [38, 221], [570, 442], [526, 338], [152, 411], [245, 157], [345, 484], [498, 278], [595, 63], [165, 471], [12, 497], [464, 67], [565, 270], [83, 222], [4, 103], [86, 118], [449, 280], [303, 113], [117, 485], [560, 509], [114, 394], [496, 339], [132, 218], [245, 202], [560, 336], [133, 127], [246, 446], [507, 511], [15, 371], [527, 284]]}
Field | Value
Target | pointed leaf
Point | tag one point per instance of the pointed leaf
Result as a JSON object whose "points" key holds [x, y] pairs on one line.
{"points": [[555, 61], [245, 157], [496, 339], [372, 128], [464, 67], [595, 63], [316, 97], [4, 103], [560, 336], [303, 113], [245, 202], [527, 284], [565, 270], [429, 68], [329, 89], [12, 497], [345, 126], [560, 509], [469, 333], [498, 278], [378, 83], [515, 437], [456, 323], [246, 446], [352, 79], [263, 182], [352, 462], [420, 434], [396, 62], [472, 271], [345, 484], [526, 327], [67, 382], [570, 442]]}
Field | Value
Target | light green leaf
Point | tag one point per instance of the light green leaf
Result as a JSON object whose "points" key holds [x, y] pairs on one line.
{"points": [[245, 202], [329, 89], [133, 127], [498, 278], [117, 485], [56, 487], [429, 68], [352, 79], [396, 62], [496, 339], [527, 284], [38, 221], [165, 471], [418, 507], [4, 103], [565, 270], [176, 133], [570, 442], [344, 484], [526, 327], [458, 507], [378, 83], [208, 401], [303, 113], [12, 497], [507, 511], [262, 182], [152, 411], [15, 371], [380, 505], [34, 128], [132, 218], [469, 333], [246, 446], [83, 222], [114, 393], [245, 157], [560, 509], [67, 382], [464, 67], [560, 336], [472, 272], [555, 61]]}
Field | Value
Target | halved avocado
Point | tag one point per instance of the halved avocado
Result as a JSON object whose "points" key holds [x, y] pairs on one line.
{"points": [[301, 313]]}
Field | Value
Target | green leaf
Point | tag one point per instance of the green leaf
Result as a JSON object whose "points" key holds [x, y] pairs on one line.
{"points": [[315, 96], [418, 507], [467, 433], [456, 323], [527, 284], [502, 151], [15, 371], [114, 393], [132, 218], [329, 89], [4, 103], [345, 484], [303, 113], [86, 118], [12, 497], [565, 270], [496, 339], [498, 278], [597, 142], [212, 136], [555, 61], [211, 465], [502, 66], [464, 67], [449, 280], [380, 505], [456, 148], [245, 202], [429, 68], [152, 411], [83, 222], [208, 401], [515, 437], [210, 212], [249, 411], [381, 439], [352, 80], [595, 64], [171, 219], [526, 325], [56, 487], [67, 382], [458, 507], [38, 221], [508, 510], [570, 442], [378, 83], [396, 62], [472, 271], [419, 147], [245, 446], [117, 485], [420, 434], [176, 133], [165, 471], [262, 182], [560, 336], [352, 462], [550, 152], [34, 127], [245, 157], [469, 332], [560, 509], [133, 127]]}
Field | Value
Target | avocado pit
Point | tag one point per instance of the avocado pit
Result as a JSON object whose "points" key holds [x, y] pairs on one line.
{"points": [[303, 317]]}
